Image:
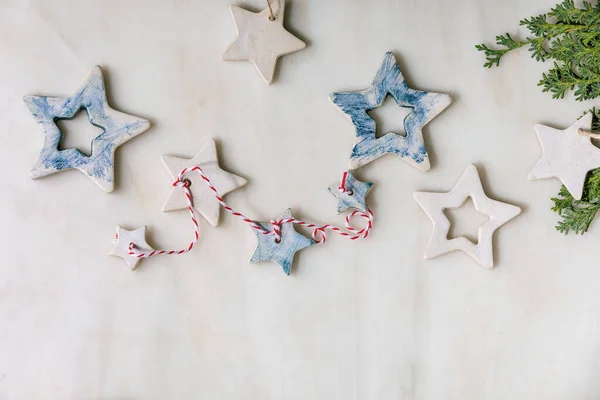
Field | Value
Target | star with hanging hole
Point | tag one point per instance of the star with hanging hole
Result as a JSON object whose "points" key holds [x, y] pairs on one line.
{"points": [[117, 128], [354, 195], [260, 39], [124, 239], [282, 252], [567, 156], [389, 81], [203, 198], [469, 185]]}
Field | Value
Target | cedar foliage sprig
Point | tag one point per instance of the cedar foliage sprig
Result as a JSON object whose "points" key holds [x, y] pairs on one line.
{"points": [[578, 215], [569, 36]]}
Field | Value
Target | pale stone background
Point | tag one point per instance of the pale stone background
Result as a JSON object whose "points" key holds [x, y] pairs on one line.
{"points": [[368, 320]]}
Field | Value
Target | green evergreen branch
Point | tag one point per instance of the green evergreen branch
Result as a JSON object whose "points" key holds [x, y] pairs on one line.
{"points": [[568, 35]]}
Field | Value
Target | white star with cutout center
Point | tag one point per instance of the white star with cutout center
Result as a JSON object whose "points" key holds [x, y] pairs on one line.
{"points": [[260, 40], [469, 185], [567, 156], [202, 197]]}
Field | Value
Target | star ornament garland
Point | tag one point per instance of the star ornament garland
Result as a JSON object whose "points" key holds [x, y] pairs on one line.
{"points": [[278, 240], [261, 38], [567, 155], [118, 128], [469, 185], [390, 81]]}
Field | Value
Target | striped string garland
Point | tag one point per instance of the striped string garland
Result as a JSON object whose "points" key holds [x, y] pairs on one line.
{"points": [[319, 234]]}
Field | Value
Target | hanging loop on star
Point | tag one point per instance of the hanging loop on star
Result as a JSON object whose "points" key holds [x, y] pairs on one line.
{"points": [[271, 15], [589, 133]]}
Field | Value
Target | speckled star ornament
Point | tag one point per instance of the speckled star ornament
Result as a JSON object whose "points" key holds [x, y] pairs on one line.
{"points": [[203, 198], [261, 40], [567, 156], [353, 195], [124, 239], [434, 205], [389, 81], [118, 128], [283, 252]]}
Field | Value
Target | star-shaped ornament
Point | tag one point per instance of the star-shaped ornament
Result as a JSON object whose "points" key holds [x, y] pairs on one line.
{"points": [[282, 252], [568, 155], [262, 39], [118, 128], [203, 198], [434, 205], [389, 81], [124, 239], [352, 195]]}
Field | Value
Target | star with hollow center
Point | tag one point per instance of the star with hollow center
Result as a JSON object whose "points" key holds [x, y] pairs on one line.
{"points": [[353, 195], [567, 156], [118, 128], [389, 81], [124, 239], [261, 40], [469, 185], [281, 252], [202, 197]]}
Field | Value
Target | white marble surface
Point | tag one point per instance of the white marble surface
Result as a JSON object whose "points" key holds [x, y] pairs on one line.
{"points": [[369, 320]]}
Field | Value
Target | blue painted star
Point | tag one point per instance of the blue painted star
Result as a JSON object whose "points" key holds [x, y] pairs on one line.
{"points": [[283, 252], [117, 126], [389, 81], [354, 196]]}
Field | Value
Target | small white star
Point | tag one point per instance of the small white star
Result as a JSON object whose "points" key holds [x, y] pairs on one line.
{"points": [[124, 239], [203, 198], [261, 40], [567, 156], [469, 185]]}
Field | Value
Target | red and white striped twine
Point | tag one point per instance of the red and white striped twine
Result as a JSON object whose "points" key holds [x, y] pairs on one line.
{"points": [[318, 234]]}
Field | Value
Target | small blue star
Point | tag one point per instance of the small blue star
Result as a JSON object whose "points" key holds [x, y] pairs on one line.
{"points": [[283, 252], [354, 196], [117, 126], [389, 81]]}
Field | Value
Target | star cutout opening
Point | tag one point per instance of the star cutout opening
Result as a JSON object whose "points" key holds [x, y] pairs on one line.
{"points": [[465, 221], [389, 117], [78, 132]]}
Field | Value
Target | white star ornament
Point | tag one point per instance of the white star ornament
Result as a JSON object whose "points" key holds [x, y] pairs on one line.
{"points": [[203, 198], [124, 239], [434, 205], [568, 155], [261, 40]]}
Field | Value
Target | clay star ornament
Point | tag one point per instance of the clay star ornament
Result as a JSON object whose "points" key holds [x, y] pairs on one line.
{"points": [[118, 128], [282, 252], [353, 195], [124, 239], [469, 185], [261, 40], [203, 198], [568, 155], [389, 81]]}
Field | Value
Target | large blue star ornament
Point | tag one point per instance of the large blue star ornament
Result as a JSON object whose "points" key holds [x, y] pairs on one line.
{"points": [[389, 81], [281, 252], [117, 126]]}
